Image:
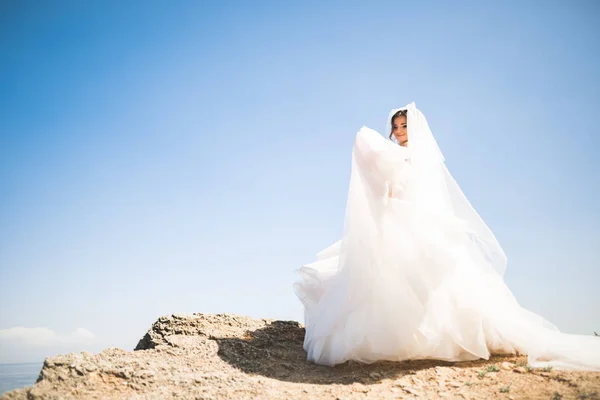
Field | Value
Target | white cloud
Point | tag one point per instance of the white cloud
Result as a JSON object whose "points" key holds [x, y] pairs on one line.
{"points": [[83, 333], [44, 336]]}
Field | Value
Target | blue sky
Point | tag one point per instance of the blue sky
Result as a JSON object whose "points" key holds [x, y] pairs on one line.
{"points": [[162, 157]]}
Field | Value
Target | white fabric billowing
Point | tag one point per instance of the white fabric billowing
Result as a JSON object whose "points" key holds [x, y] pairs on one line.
{"points": [[419, 275]]}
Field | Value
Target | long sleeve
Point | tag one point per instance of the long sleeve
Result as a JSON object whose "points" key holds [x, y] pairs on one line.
{"points": [[379, 160]]}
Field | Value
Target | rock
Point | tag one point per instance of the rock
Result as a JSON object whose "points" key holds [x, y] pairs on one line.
{"points": [[506, 366], [228, 357], [90, 367], [79, 369], [411, 390]]}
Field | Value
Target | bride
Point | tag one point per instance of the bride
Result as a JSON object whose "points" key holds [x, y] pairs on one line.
{"points": [[417, 273]]}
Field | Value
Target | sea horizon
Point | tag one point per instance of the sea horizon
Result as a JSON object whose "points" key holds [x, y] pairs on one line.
{"points": [[18, 375]]}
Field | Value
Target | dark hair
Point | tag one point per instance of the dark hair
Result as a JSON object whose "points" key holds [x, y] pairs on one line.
{"points": [[396, 115]]}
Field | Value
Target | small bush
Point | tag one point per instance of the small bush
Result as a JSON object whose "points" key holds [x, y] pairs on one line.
{"points": [[505, 389], [493, 368]]}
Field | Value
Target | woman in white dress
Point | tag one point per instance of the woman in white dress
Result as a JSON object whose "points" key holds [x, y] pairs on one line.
{"points": [[417, 273]]}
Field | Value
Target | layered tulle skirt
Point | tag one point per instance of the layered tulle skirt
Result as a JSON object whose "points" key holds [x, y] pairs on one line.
{"points": [[413, 289]]}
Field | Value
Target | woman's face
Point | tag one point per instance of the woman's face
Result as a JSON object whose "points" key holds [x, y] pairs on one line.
{"points": [[399, 130]]}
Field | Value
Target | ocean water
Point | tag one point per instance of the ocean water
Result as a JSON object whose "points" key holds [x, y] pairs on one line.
{"points": [[16, 376]]}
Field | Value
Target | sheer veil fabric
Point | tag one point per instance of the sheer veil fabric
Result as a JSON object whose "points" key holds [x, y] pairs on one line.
{"points": [[418, 274]]}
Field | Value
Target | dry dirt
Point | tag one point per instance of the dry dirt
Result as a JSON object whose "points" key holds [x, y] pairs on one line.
{"points": [[227, 356]]}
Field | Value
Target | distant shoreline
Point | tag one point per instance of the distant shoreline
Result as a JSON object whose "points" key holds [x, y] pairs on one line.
{"points": [[19, 375], [23, 363]]}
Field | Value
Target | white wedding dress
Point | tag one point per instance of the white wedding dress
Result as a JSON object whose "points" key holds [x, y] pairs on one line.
{"points": [[419, 275]]}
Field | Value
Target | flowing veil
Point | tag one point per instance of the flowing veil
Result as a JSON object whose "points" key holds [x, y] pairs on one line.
{"points": [[419, 274], [439, 190]]}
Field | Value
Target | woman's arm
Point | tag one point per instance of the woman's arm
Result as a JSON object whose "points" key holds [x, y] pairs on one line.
{"points": [[379, 160]]}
